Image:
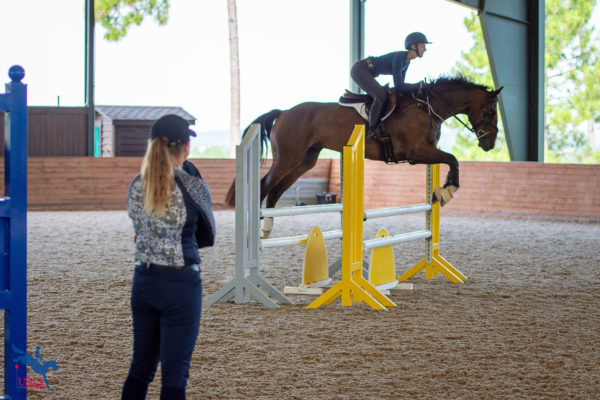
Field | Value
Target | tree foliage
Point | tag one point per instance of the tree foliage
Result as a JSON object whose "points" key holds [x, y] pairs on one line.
{"points": [[572, 68], [117, 16]]}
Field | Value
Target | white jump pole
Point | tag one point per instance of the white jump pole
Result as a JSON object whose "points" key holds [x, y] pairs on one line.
{"points": [[395, 239]]}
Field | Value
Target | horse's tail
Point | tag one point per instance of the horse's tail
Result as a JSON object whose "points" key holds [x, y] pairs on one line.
{"points": [[266, 122]]}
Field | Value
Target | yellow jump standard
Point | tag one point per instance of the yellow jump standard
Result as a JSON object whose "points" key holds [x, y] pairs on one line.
{"points": [[433, 263], [353, 287]]}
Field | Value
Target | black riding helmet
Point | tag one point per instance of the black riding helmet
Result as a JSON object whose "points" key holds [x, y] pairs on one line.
{"points": [[415, 38]]}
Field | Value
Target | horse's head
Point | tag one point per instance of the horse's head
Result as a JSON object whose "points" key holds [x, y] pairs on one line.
{"points": [[50, 364], [483, 115]]}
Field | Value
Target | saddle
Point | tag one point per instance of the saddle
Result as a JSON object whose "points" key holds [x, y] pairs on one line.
{"points": [[362, 103]]}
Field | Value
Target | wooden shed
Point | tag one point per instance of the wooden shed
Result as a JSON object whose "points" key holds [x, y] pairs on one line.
{"points": [[124, 130], [54, 131]]}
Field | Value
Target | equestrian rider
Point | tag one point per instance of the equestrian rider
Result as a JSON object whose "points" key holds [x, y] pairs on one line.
{"points": [[396, 63]]}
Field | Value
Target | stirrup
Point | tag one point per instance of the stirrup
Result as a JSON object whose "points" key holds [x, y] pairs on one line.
{"points": [[388, 153], [385, 141], [373, 134]]}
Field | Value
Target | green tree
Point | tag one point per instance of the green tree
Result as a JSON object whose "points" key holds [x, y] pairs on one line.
{"points": [[209, 152], [117, 16], [572, 66], [572, 70]]}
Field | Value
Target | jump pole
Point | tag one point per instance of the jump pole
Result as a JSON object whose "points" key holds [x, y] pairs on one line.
{"points": [[247, 226], [13, 232]]}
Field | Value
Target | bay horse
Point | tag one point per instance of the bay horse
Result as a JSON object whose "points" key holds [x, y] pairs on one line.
{"points": [[298, 135]]}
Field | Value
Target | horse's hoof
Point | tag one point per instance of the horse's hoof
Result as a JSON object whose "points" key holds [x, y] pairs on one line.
{"points": [[443, 195], [267, 227]]}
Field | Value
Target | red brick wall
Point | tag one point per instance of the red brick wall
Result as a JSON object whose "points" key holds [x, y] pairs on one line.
{"points": [[489, 187], [85, 183]]}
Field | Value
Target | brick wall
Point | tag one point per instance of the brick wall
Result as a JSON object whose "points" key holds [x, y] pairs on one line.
{"points": [[489, 187], [85, 183]]}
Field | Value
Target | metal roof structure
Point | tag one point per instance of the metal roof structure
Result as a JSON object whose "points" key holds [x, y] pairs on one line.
{"points": [[143, 113]]}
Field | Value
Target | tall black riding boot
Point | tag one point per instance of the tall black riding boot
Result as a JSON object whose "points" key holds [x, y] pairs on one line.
{"points": [[374, 115], [376, 130]]}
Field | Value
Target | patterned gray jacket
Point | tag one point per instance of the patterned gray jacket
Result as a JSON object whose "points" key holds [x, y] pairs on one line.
{"points": [[173, 239]]}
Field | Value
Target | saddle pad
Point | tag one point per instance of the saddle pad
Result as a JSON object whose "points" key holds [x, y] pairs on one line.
{"points": [[361, 108]]}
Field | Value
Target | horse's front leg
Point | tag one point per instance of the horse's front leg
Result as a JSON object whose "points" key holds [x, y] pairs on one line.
{"points": [[445, 193], [433, 155], [452, 178]]}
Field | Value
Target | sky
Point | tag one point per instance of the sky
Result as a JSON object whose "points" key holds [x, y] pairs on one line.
{"points": [[291, 51]]}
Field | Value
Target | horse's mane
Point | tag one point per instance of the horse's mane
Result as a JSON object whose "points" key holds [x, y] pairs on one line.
{"points": [[456, 81], [448, 82]]}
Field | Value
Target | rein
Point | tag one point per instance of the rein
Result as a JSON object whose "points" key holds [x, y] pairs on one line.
{"points": [[432, 111]]}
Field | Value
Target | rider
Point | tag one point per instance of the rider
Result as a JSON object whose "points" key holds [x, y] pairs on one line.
{"points": [[38, 355], [396, 63]]}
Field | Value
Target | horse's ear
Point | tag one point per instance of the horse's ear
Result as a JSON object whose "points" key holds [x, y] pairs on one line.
{"points": [[495, 92]]}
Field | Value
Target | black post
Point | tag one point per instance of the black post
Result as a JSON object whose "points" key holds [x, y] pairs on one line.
{"points": [[90, 22], [357, 35]]}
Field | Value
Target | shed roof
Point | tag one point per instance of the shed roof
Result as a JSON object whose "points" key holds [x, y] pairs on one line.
{"points": [[143, 113]]}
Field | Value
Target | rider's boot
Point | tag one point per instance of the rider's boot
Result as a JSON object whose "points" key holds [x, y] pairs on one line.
{"points": [[376, 130], [374, 116]]}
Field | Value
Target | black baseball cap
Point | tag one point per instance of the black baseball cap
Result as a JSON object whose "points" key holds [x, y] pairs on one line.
{"points": [[173, 128]]}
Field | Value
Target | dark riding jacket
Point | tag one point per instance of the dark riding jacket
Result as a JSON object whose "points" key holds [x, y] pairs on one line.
{"points": [[394, 64]]}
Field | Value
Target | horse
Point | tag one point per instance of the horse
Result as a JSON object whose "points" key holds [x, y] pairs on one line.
{"points": [[298, 135]]}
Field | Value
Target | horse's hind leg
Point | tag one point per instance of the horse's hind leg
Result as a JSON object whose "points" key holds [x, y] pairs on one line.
{"points": [[280, 168], [308, 161]]}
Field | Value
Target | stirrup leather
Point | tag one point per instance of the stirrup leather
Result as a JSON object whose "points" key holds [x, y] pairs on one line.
{"points": [[385, 142]]}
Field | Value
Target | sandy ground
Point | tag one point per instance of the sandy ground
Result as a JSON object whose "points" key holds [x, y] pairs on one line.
{"points": [[526, 325]]}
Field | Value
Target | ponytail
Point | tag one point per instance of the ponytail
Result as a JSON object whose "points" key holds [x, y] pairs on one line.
{"points": [[157, 175]]}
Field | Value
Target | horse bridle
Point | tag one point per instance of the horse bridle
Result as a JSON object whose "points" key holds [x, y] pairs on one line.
{"points": [[472, 129]]}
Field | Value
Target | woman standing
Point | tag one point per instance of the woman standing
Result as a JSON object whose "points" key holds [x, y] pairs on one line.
{"points": [[170, 207]]}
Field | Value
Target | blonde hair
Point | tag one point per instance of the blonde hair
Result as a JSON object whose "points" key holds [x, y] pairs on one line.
{"points": [[157, 175]]}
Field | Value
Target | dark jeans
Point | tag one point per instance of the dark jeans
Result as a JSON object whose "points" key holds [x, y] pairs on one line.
{"points": [[166, 306]]}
